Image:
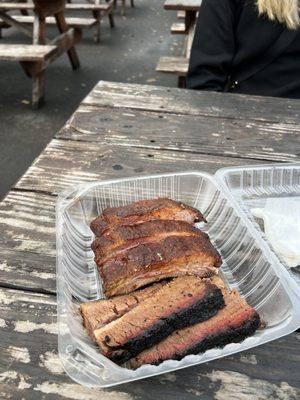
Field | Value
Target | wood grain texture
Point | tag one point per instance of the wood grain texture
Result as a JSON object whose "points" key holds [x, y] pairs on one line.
{"points": [[173, 65], [185, 133], [182, 5], [67, 163], [30, 368], [25, 269], [27, 222], [178, 28], [71, 21], [124, 130], [7, 6], [26, 52], [179, 101], [27, 241]]}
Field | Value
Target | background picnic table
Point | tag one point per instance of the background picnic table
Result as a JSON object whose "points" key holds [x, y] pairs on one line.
{"points": [[123, 130]]}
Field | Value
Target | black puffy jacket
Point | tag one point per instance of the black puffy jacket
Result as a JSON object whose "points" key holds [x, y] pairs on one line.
{"points": [[235, 49]]}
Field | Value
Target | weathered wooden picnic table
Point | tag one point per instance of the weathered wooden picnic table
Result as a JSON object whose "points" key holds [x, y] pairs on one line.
{"points": [[190, 7], [36, 57], [124, 130]]}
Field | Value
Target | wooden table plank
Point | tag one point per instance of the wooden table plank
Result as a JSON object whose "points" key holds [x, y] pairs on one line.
{"points": [[27, 222], [30, 52], [7, 6], [182, 5], [182, 101], [185, 133], [30, 368], [66, 163], [78, 22], [27, 270]]}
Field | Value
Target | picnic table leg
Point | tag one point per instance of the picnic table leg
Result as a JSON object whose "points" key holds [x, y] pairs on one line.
{"points": [[38, 81], [63, 27], [111, 20], [190, 18], [39, 30], [97, 34], [38, 90], [123, 7], [132, 3], [97, 16], [23, 12], [182, 82], [111, 16]]}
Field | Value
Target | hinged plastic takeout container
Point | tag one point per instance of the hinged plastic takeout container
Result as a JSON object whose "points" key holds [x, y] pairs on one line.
{"points": [[249, 264]]}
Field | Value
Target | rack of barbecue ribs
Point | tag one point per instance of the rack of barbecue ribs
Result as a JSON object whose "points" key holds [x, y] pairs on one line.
{"points": [[145, 210], [149, 241]]}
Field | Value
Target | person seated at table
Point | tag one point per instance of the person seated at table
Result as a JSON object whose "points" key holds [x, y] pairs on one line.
{"points": [[247, 46]]}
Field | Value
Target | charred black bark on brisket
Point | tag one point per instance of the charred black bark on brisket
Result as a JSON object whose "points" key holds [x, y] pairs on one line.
{"points": [[200, 311], [219, 340]]}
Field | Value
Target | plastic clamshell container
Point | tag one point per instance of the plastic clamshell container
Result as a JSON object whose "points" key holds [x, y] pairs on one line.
{"points": [[249, 266], [251, 187]]}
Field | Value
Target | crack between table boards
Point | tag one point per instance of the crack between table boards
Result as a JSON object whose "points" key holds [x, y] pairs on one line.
{"points": [[45, 192], [165, 111], [263, 159], [20, 288]]}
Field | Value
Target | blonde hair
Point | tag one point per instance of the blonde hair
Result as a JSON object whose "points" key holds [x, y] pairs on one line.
{"points": [[284, 11]]}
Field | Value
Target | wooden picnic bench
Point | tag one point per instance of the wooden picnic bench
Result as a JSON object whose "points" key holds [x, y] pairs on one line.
{"points": [[98, 9], [129, 130], [179, 65], [35, 58]]}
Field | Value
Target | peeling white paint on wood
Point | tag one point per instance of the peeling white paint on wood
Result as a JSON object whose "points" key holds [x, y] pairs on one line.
{"points": [[8, 376], [14, 378], [23, 384], [20, 354], [236, 386], [22, 224], [43, 275], [77, 392], [164, 379], [248, 359], [29, 326], [11, 296], [36, 247], [5, 267], [2, 323], [195, 392], [51, 362]]}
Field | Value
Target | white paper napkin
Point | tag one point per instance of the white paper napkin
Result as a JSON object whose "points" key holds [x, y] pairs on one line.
{"points": [[281, 218]]}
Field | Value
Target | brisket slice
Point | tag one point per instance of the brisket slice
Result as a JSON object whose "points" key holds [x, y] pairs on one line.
{"points": [[96, 314], [236, 321], [180, 303], [120, 238], [150, 262], [145, 210]]}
